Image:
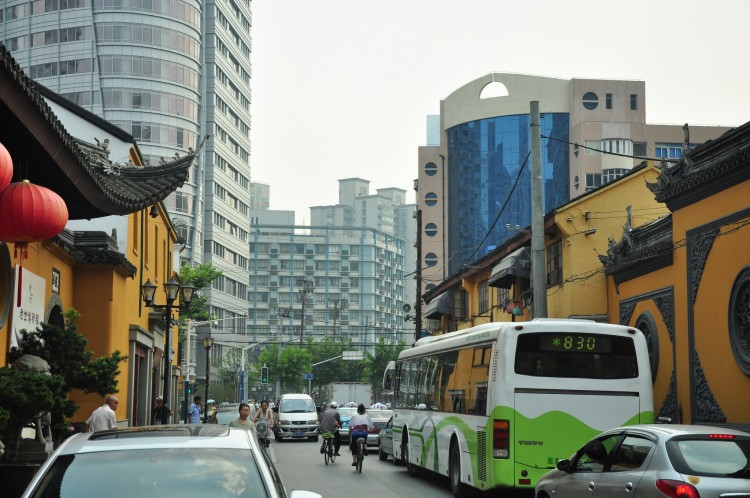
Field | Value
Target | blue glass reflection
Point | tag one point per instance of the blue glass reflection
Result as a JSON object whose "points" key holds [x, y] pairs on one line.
{"points": [[484, 158]]}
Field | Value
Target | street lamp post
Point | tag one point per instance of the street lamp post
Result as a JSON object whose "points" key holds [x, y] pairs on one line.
{"points": [[207, 343], [172, 288], [306, 286]]}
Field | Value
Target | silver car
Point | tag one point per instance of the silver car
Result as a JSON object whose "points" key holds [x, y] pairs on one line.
{"points": [[379, 418], [385, 440], [164, 460], [650, 461]]}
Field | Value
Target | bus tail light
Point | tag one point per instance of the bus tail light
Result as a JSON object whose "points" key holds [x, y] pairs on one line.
{"points": [[500, 438]]}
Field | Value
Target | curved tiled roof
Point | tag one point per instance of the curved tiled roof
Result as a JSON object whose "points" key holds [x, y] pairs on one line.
{"points": [[706, 170], [45, 153]]}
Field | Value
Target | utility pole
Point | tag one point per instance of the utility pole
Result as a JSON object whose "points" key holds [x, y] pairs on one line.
{"points": [[367, 323], [336, 311], [538, 260], [306, 286]]}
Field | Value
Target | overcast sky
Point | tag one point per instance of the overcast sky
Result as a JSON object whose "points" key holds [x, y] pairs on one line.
{"points": [[341, 88]]}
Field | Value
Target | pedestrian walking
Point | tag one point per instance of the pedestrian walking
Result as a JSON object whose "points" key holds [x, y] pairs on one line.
{"points": [[104, 417]]}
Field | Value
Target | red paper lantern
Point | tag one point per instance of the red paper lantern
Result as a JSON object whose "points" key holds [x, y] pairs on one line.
{"points": [[6, 167], [29, 213]]}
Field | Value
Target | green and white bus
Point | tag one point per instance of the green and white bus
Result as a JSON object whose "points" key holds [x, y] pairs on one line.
{"points": [[496, 405]]}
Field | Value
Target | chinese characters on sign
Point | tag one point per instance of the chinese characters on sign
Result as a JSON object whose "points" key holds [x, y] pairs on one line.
{"points": [[29, 315]]}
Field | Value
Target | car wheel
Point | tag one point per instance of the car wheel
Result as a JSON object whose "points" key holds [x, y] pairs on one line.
{"points": [[314, 439], [459, 489], [382, 455]]}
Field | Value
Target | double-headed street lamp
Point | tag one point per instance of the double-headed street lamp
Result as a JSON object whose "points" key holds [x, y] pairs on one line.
{"points": [[207, 343], [172, 288]]}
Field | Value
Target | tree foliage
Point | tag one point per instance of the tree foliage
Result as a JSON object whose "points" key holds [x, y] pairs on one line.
{"points": [[328, 366], [24, 395], [200, 277], [71, 367], [377, 362]]}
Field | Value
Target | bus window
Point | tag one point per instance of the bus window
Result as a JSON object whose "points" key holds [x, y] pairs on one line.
{"points": [[457, 400], [447, 361], [480, 399], [594, 356]]}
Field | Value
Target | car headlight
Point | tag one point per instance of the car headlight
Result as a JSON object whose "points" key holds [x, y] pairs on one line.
{"points": [[313, 421], [283, 422]]}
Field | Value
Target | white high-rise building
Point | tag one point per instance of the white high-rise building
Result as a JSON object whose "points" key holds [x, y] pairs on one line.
{"points": [[175, 74]]}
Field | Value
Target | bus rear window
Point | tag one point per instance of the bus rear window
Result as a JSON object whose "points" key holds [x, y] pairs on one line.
{"points": [[567, 355]]}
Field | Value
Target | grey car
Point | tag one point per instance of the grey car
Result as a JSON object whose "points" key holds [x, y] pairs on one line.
{"points": [[650, 461], [164, 460], [379, 418], [385, 441]]}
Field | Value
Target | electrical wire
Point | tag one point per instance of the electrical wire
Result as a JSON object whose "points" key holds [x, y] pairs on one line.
{"points": [[497, 218], [608, 153]]}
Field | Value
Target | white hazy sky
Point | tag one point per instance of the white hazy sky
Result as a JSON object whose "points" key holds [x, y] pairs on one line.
{"points": [[341, 88]]}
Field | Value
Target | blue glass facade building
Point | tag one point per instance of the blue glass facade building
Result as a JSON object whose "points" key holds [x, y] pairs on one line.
{"points": [[484, 160]]}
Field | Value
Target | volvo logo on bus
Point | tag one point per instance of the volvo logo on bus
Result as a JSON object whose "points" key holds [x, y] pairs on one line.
{"points": [[530, 443]]}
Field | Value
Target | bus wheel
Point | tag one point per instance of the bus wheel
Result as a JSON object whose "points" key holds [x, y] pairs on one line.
{"points": [[411, 469], [458, 488]]}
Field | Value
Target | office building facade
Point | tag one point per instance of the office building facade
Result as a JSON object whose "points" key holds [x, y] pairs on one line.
{"points": [[474, 187], [175, 74]]}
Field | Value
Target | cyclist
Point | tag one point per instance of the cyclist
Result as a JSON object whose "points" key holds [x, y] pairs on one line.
{"points": [[331, 422], [359, 426], [264, 414]]}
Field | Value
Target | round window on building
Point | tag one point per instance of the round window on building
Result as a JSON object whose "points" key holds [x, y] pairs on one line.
{"points": [[430, 259], [430, 229], [430, 198], [430, 169], [590, 101], [738, 329], [646, 324]]}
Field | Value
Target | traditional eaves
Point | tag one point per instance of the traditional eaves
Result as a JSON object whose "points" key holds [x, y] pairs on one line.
{"points": [[45, 153], [706, 170], [640, 251], [92, 248]]}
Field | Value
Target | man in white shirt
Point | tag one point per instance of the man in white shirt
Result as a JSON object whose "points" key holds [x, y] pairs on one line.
{"points": [[104, 418]]}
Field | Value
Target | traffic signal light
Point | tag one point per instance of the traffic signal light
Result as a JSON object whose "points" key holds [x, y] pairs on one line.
{"points": [[264, 375]]}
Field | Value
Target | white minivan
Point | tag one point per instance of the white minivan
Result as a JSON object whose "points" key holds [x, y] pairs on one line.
{"points": [[297, 418]]}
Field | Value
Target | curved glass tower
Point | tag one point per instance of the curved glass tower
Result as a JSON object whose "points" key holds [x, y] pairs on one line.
{"points": [[490, 178]]}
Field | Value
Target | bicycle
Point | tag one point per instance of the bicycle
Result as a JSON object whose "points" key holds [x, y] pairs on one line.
{"points": [[261, 429], [361, 439], [329, 455]]}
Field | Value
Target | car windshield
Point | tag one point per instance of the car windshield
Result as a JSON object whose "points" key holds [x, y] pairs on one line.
{"points": [[217, 473], [711, 457], [347, 413], [226, 416], [297, 406]]}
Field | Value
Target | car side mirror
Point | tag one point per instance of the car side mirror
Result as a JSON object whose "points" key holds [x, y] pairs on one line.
{"points": [[276, 409], [564, 465]]}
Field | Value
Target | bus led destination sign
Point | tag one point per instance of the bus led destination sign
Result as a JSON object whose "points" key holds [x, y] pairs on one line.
{"points": [[576, 343]]}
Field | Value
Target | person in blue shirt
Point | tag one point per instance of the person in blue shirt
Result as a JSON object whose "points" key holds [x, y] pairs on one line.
{"points": [[194, 412]]}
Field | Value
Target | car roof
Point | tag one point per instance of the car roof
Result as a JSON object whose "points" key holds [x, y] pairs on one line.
{"points": [[295, 396], [380, 414], [162, 436], [671, 430]]}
